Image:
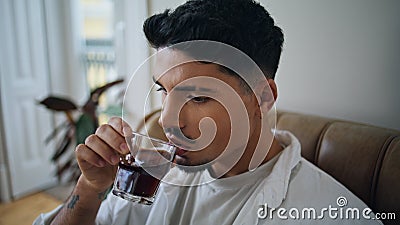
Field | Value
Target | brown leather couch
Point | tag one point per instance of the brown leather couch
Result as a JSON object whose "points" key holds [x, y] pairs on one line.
{"points": [[364, 158]]}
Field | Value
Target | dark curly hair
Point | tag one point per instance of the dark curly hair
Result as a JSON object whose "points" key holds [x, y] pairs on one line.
{"points": [[243, 24]]}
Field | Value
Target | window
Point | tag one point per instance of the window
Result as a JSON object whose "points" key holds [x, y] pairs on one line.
{"points": [[99, 51]]}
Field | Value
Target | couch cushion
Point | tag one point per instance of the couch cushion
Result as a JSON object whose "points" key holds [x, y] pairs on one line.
{"points": [[352, 153], [387, 197], [306, 128]]}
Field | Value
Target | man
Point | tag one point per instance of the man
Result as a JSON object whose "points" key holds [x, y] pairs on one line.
{"points": [[236, 172]]}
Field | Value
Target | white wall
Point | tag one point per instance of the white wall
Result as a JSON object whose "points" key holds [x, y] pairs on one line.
{"points": [[340, 58], [5, 195], [158, 6], [131, 52], [64, 50]]}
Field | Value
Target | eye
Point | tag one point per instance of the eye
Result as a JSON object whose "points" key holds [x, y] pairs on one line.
{"points": [[161, 89], [199, 99]]}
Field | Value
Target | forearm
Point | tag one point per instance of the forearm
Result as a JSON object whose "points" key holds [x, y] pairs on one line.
{"points": [[82, 206]]}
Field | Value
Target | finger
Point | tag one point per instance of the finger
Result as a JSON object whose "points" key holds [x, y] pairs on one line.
{"points": [[112, 138], [126, 129], [120, 126], [102, 149], [86, 156]]}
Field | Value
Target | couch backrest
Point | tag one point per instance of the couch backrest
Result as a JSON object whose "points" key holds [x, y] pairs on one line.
{"points": [[364, 158]]}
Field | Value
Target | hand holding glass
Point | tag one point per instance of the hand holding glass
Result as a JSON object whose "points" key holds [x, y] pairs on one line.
{"points": [[139, 172]]}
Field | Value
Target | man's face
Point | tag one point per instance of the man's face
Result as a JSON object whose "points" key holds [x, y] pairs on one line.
{"points": [[193, 91]]}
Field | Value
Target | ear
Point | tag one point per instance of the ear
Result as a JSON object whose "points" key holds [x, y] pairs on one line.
{"points": [[267, 94]]}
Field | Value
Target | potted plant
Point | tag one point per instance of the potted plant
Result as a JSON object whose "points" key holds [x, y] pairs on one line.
{"points": [[74, 131]]}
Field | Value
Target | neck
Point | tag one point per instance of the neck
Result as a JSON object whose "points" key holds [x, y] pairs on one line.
{"points": [[243, 164]]}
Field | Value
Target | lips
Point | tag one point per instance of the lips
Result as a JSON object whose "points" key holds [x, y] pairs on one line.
{"points": [[176, 141], [180, 152], [175, 134]]}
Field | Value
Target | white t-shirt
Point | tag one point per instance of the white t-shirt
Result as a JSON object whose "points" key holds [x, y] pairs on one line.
{"points": [[287, 189]]}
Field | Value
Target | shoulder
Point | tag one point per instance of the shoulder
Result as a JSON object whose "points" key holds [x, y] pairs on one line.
{"points": [[312, 189], [317, 186]]}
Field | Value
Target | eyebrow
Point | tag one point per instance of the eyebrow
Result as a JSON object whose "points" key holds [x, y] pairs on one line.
{"points": [[187, 88]]}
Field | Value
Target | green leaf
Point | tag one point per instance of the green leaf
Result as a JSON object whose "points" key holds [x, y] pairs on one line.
{"points": [[62, 146], [85, 126], [112, 110]]}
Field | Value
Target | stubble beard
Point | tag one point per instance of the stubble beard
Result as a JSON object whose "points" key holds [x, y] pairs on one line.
{"points": [[184, 164]]}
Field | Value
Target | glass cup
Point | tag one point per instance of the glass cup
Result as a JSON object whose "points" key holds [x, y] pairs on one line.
{"points": [[140, 172]]}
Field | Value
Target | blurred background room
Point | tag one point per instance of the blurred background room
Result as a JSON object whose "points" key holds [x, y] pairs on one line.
{"points": [[341, 59]]}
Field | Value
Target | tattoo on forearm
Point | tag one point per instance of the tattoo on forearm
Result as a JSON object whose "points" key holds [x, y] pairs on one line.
{"points": [[73, 201]]}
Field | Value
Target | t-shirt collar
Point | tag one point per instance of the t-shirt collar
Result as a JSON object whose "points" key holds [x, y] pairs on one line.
{"points": [[275, 174], [275, 186]]}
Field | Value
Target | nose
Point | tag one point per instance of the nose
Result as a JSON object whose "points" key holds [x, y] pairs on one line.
{"points": [[171, 114]]}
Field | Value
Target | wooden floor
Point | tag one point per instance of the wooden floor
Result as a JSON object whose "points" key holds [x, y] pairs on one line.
{"points": [[25, 210]]}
